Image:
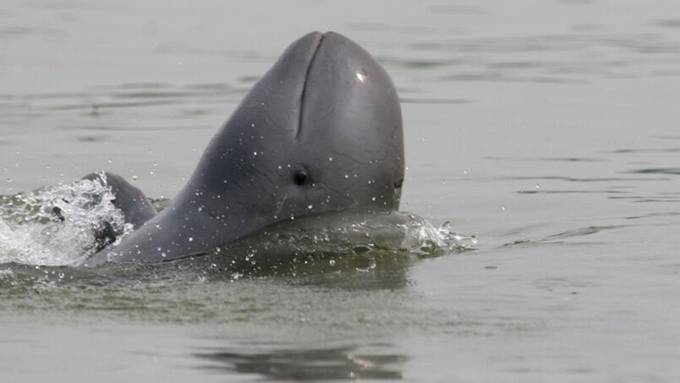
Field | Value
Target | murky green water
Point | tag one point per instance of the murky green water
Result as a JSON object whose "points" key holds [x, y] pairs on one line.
{"points": [[548, 129]]}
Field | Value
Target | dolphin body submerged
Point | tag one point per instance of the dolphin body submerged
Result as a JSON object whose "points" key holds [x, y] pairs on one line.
{"points": [[320, 133]]}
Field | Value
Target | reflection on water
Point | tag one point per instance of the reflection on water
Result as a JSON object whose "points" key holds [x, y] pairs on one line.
{"points": [[547, 128], [300, 364]]}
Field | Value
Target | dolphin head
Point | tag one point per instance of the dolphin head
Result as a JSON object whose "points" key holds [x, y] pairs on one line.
{"points": [[320, 132]]}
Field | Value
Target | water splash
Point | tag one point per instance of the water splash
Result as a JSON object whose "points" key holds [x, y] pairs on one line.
{"points": [[58, 225], [338, 242], [63, 225], [425, 239]]}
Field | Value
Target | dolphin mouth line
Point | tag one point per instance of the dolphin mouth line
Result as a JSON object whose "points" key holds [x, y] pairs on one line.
{"points": [[303, 93]]}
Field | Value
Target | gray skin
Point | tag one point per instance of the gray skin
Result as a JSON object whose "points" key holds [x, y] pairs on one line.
{"points": [[320, 133]]}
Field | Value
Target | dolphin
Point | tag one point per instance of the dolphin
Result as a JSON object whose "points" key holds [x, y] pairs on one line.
{"points": [[320, 133]]}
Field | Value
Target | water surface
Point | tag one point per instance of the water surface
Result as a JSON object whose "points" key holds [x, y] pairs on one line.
{"points": [[548, 129]]}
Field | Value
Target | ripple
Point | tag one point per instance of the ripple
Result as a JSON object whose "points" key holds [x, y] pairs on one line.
{"points": [[102, 99], [456, 9], [570, 192], [551, 159], [658, 198], [585, 55], [667, 23], [558, 238], [19, 31], [582, 231], [653, 215], [423, 100], [651, 150], [669, 171], [580, 179]]}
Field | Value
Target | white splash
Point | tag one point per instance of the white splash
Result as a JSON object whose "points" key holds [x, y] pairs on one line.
{"points": [[423, 237], [57, 225]]}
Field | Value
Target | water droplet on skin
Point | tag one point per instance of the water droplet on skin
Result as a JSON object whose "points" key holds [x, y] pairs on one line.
{"points": [[330, 158], [538, 186], [502, 208], [134, 178], [331, 262], [346, 176], [191, 239], [309, 207], [110, 161]]}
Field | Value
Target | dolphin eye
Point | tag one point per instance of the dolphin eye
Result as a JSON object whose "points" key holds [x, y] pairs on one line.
{"points": [[301, 177]]}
